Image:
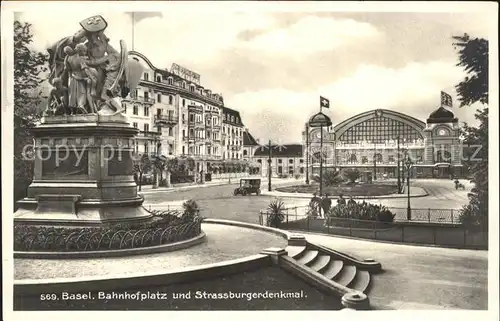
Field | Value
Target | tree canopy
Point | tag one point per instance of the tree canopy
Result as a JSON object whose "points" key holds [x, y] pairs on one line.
{"points": [[473, 57]]}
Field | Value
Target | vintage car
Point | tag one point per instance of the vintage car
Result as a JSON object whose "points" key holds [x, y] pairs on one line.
{"points": [[248, 186]]}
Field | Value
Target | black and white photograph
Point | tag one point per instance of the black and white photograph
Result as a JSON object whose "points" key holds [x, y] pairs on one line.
{"points": [[185, 156]]}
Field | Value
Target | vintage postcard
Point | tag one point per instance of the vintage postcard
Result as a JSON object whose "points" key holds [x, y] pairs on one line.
{"points": [[250, 156]]}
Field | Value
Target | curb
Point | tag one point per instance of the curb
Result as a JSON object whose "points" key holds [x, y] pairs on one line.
{"points": [[476, 248], [309, 196], [283, 233]]}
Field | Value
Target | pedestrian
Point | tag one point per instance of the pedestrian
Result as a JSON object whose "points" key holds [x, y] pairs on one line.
{"points": [[351, 201], [341, 200], [326, 204], [314, 205]]}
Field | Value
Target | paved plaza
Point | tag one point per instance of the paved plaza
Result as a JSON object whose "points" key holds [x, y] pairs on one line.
{"points": [[217, 201]]}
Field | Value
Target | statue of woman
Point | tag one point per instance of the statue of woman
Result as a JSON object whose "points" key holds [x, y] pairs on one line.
{"points": [[74, 65]]}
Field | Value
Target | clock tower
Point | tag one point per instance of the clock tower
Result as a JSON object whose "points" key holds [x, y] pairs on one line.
{"points": [[443, 148]]}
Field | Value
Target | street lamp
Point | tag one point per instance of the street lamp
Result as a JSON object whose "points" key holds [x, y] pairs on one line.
{"points": [[320, 120], [269, 169], [307, 154], [399, 169], [408, 164]]}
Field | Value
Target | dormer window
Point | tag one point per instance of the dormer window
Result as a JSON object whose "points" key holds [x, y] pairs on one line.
{"points": [[192, 88], [146, 76], [183, 85], [170, 80], [232, 119], [158, 78]]}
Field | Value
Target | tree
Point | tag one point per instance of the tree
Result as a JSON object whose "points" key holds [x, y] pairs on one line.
{"points": [[144, 165], [473, 57], [29, 66], [352, 174]]}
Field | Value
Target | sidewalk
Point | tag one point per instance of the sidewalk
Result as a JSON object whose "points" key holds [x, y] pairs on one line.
{"points": [[414, 192], [148, 189]]}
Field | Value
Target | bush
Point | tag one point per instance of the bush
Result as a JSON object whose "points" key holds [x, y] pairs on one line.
{"points": [[165, 227], [362, 211], [297, 176], [275, 213], [330, 178], [352, 174]]}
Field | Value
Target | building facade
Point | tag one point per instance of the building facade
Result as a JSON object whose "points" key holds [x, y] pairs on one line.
{"points": [[374, 141], [286, 160], [177, 116], [232, 134]]}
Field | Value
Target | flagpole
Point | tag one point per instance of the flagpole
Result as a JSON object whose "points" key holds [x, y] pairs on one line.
{"points": [[133, 29]]}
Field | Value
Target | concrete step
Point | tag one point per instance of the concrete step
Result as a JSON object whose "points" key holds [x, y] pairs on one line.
{"points": [[333, 269], [346, 275], [361, 282], [320, 263], [308, 257], [295, 251]]}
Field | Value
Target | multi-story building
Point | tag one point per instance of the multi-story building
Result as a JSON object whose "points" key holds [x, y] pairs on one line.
{"points": [[369, 141], [285, 159], [232, 134], [177, 116]]}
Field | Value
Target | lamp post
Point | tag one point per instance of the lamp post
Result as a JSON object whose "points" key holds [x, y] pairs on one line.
{"points": [[408, 164], [399, 170], [307, 154], [269, 169]]}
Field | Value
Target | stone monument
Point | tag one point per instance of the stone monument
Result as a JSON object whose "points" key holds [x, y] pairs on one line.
{"points": [[83, 155]]}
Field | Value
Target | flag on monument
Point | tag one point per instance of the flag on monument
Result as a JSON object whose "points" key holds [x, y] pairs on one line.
{"points": [[324, 103], [446, 99]]}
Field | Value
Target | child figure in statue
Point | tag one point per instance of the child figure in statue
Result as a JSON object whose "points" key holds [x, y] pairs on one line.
{"points": [[58, 99], [74, 66]]}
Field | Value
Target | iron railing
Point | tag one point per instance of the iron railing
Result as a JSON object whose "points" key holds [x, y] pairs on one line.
{"points": [[428, 227]]}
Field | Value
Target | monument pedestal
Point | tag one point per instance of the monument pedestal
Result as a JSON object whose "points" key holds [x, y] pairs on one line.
{"points": [[83, 173]]}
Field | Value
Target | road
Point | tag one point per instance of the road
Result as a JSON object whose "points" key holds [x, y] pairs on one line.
{"points": [[219, 202]]}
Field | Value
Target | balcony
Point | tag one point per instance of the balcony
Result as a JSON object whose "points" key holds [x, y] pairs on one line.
{"points": [[196, 109], [166, 120], [149, 135], [141, 99], [188, 138], [235, 147]]}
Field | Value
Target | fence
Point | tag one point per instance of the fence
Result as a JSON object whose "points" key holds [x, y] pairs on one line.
{"points": [[429, 229]]}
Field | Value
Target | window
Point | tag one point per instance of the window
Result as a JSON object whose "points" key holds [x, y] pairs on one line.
{"points": [[170, 149], [135, 125], [146, 111], [364, 160], [124, 106], [170, 100], [183, 102], [170, 81], [146, 148], [159, 129], [301, 161], [183, 150], [232, 119], [136, 110], [224, 116], [146, 76], [158, 98], [184, 85], [245, 152], [301, 170], [134, 94], [280, 161], [353, 159], [170, 131], [146, 96], [192, 88], [290, 170], [259, 161], [290, 161], [158, 78], [146, 127], [280, 169], [237, 120], [191, 118], [391, 159]]}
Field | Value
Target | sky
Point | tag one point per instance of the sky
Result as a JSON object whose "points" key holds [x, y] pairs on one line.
{"points": [[272, 66]]}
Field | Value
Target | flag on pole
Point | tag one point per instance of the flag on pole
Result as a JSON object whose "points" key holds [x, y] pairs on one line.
{"points": [[446, 99], [324, 103]]}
